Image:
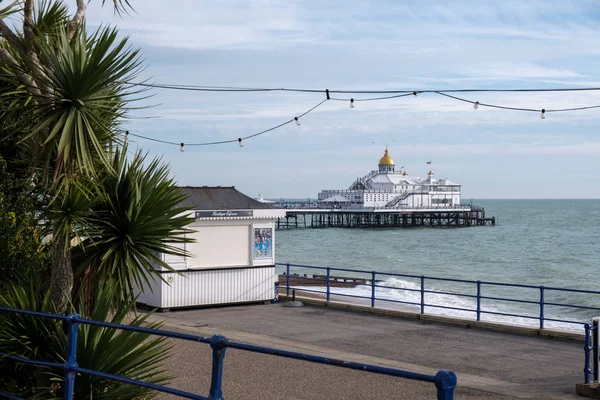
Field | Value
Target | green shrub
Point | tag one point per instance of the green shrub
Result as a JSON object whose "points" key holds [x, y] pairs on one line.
{"points": [[21, 247], [130, 354]]}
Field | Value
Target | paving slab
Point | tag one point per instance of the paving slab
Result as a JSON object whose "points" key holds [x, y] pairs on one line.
{"points": [[504, 365]]}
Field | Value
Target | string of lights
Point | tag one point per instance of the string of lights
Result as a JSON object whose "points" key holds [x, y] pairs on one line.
{"points": [[543, 111], [239, 140], [352, 101]]}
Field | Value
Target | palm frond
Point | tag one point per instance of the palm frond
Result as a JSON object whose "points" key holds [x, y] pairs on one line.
{"points": [[124, 353], [27, 336], [12, 8], [79, 116], [131, 354], [71, 208], [50, 18], [121, 6], [136, 219]]}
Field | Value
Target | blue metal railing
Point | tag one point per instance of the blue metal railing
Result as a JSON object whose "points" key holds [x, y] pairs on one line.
{"points": [[587, 348], [444, 380], [591, 351], [540, 302]]}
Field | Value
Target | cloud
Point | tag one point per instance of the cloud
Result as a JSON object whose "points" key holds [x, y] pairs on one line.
{"points": [[197, 25], [537, 149], [504, 71], [348, 45]]}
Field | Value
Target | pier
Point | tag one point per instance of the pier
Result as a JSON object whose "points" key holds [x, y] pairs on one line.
{"points": [[385, 198], [457, 216]]}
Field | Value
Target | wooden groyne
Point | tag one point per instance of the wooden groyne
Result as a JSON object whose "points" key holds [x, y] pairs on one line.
{"points": [[320, 280]]}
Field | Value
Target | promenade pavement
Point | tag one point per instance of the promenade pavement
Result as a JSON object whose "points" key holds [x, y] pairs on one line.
{"points": [[489, 365]]}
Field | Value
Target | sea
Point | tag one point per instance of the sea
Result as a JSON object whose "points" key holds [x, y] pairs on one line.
{"points": [[550, 243]]}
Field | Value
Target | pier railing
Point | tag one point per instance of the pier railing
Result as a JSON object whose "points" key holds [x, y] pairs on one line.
{"points": [[444, 380], [295, 205]]}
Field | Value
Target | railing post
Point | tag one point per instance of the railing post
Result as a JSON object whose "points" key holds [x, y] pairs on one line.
{"points": [[541, 307], [445, 382], [328, 283], [422, 294], [586, 351], [594, 335], [71, 362], [287, 280], [478, 300], [219, 345], [373, 289]]}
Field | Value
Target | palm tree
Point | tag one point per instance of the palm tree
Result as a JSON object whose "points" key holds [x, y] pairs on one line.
{"points": [[67, 93], [63, 97], [133, 216]]}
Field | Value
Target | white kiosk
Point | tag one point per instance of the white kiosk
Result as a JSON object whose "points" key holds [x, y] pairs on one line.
{"points": [[233, 256]]}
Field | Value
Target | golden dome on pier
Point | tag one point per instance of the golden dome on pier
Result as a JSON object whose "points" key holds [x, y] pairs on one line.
{"points": [[430, 172], [386, 159]]}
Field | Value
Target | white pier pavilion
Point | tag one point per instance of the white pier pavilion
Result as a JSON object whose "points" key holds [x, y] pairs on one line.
{"points": [[391, 188]]}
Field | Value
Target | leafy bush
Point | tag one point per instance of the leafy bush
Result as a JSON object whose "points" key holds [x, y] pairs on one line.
{"points": [[21, 247], [130, 354]]}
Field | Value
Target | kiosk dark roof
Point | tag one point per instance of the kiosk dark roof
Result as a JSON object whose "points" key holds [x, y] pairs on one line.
{"points": [[219, 198]]}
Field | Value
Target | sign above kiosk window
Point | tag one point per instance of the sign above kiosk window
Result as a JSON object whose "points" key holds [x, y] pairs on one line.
{"points": [[224, 214]]}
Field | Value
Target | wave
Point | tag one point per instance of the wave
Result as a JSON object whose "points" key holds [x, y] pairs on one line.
{"points": [[399, 294]]}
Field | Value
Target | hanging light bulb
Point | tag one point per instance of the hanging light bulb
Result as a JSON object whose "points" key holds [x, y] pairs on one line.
{"points": [[126, 135], [476, 105], [182, 148], [297, 121], [240, 142], [543, 116], [351, 103], [415, 94]]}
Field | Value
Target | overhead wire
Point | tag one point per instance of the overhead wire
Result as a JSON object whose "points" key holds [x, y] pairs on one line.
{"points": [[372, 98], [486, 104], [208, 88], [517, 108], [327, 92], [238, 140]]}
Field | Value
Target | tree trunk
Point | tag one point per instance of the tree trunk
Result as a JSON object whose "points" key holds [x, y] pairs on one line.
{"points": [[84, 292], [61, 278]]}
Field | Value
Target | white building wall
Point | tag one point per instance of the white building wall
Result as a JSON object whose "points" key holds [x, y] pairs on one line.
{"points": [[219, 246], [152, 294], [223, 267], [223, 243], [381, 186], [208, 287], [176, 262]]}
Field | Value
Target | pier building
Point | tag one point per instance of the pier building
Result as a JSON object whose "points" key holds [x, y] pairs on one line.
{"points": [[384, 198], [393, 188]]}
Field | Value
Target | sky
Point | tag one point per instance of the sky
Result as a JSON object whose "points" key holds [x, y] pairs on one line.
{"points": [[383, 45]]}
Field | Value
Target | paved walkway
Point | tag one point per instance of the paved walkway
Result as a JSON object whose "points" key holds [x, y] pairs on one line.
{"points": [[488, 364]]}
